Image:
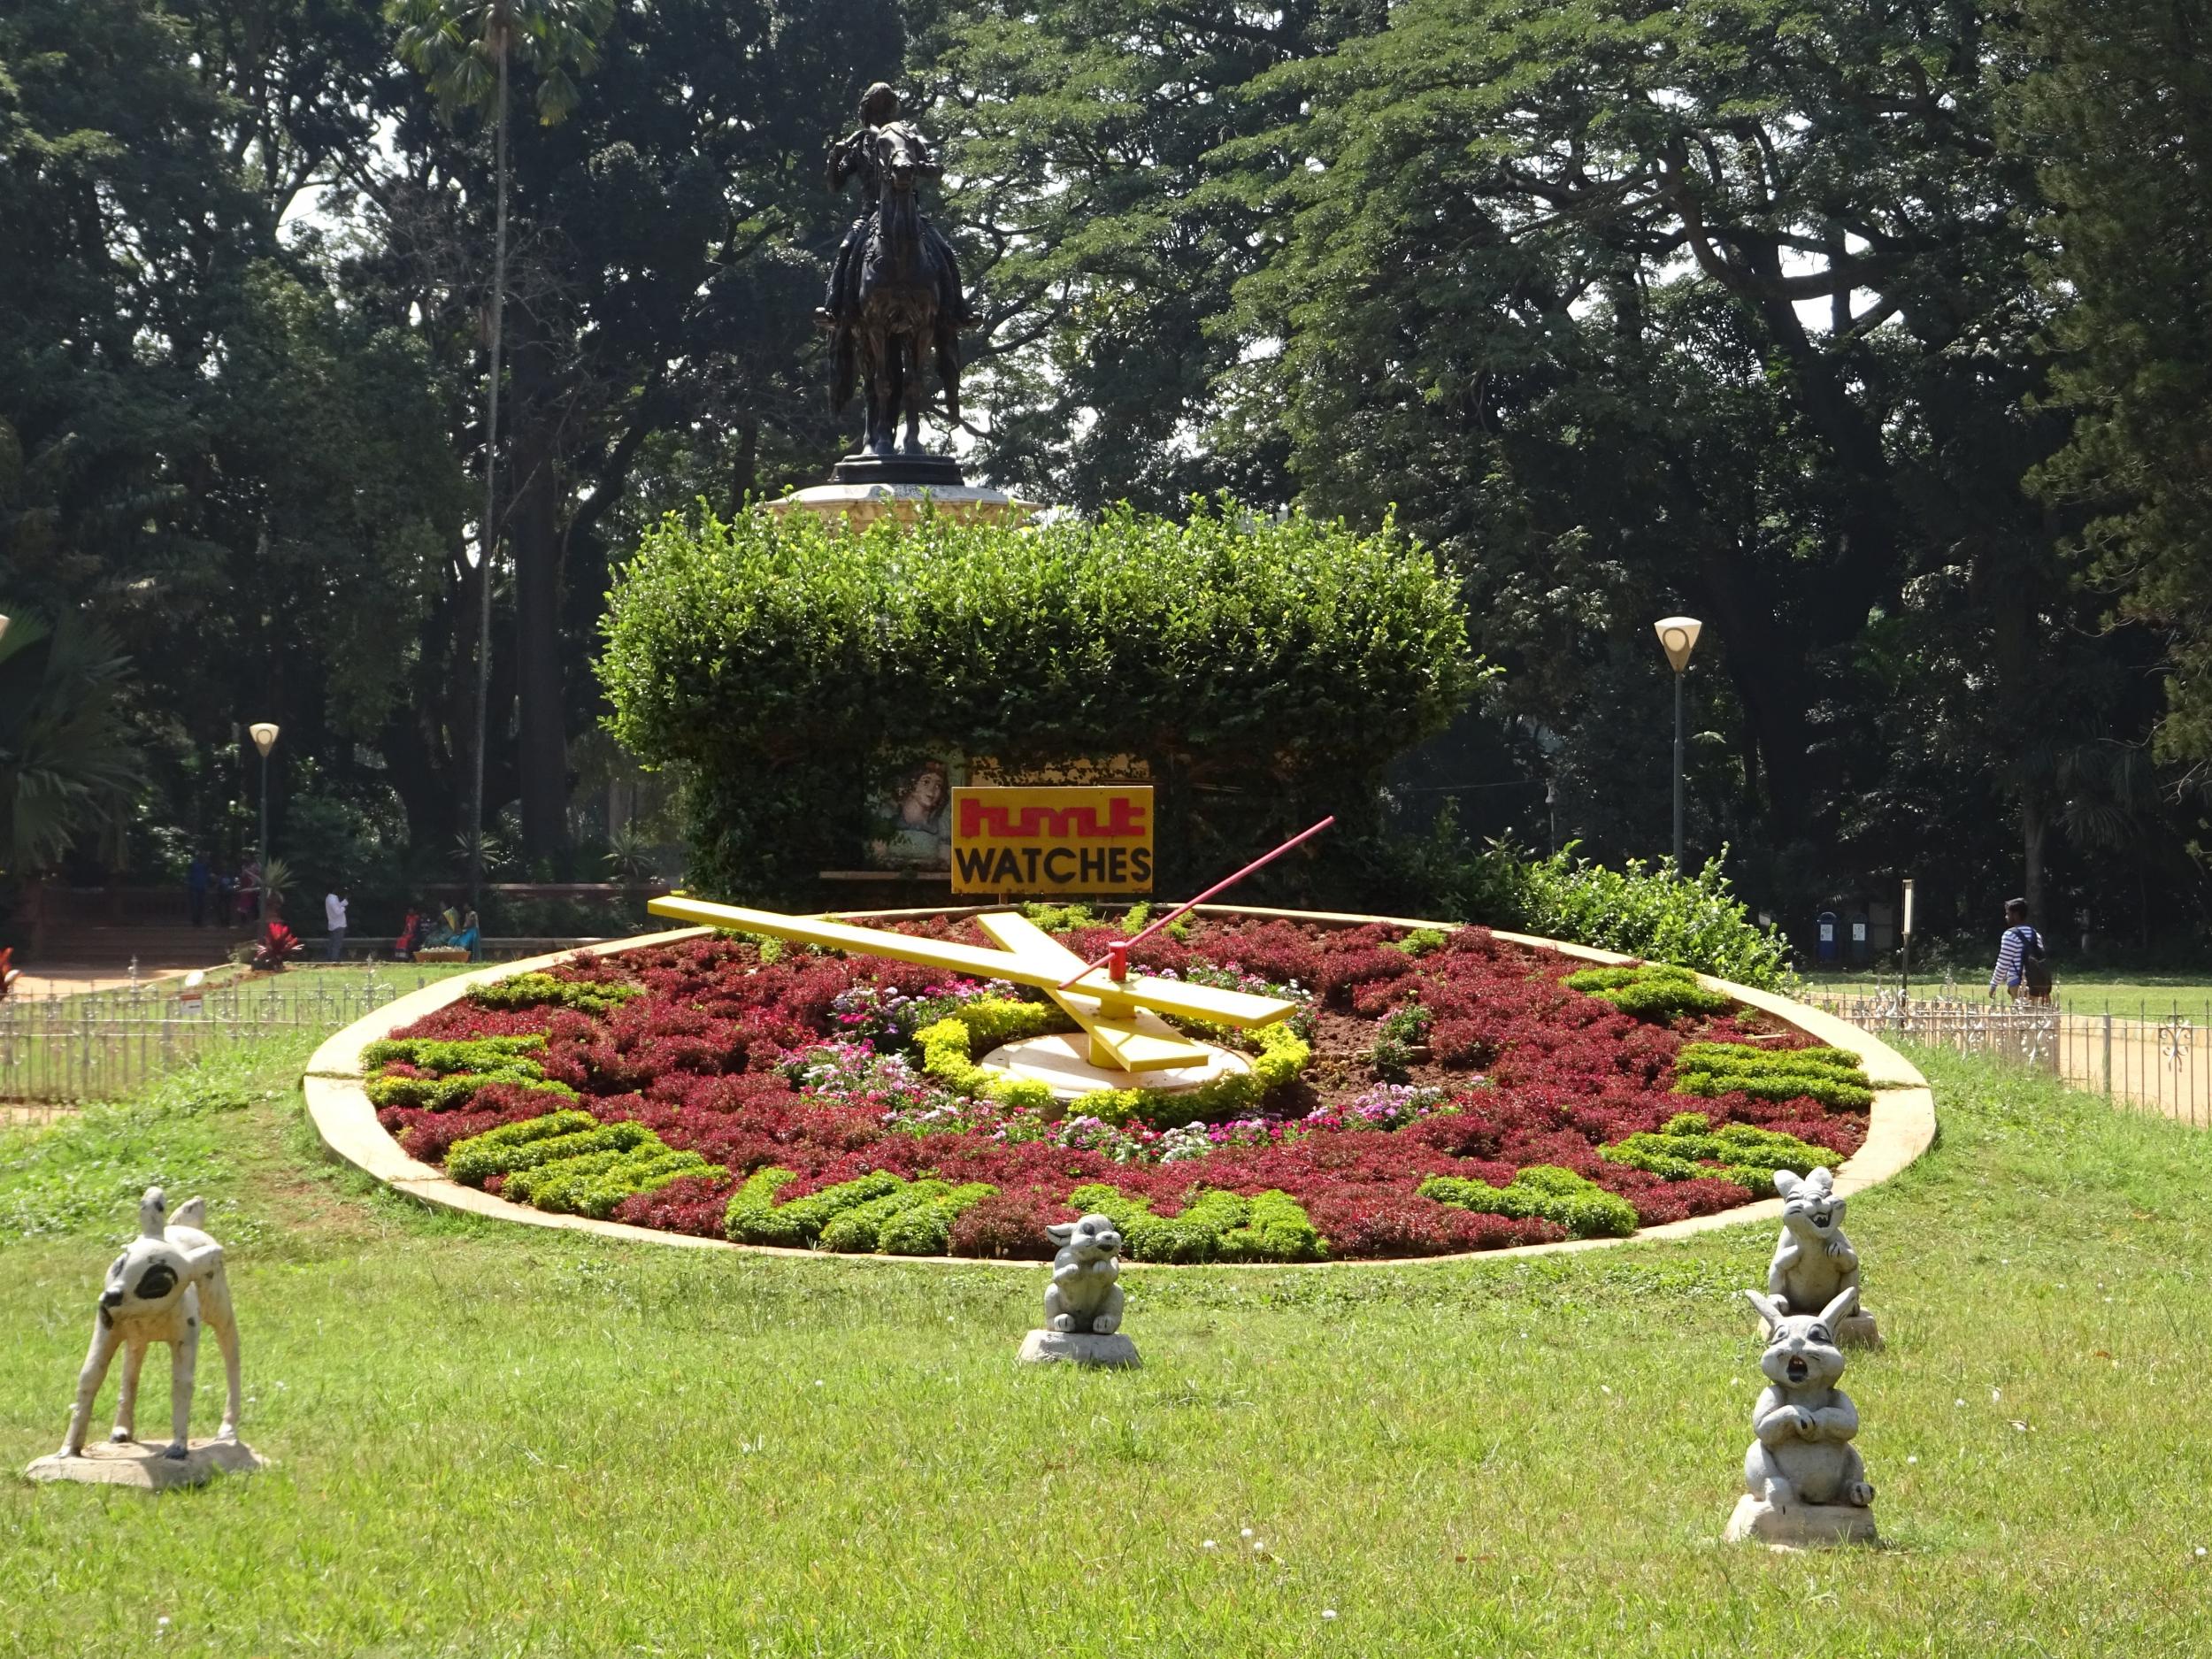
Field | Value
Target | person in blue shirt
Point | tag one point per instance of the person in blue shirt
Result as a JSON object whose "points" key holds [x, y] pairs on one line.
{"points": [[2020, 971]]}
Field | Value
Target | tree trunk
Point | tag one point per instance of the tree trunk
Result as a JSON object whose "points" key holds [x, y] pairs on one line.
{"points": [[487, 537], [2034, 824], [535, 534]]}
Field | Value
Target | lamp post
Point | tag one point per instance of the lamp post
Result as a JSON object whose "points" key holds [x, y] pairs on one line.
{"points": [[1678, 637], [4, 627], [264, 737], [1904, 982]]}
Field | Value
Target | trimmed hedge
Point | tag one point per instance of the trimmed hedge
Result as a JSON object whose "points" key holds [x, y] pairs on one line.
{"points": [[1543, 1191], [980, 1027], [566, 1163], [459, 1069], [1267, 669], [1692, 920], [1689, 1147], [1656, 991], [1282, 1055], [506, 1150], [877, 1212], [1214, 1227], [540, 990], [1830, 1076]]}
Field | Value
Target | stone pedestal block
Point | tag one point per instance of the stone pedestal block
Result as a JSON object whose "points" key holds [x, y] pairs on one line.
{"points": [[1799, 1525], [135, 1463], [1859, 1330], [1075, 1348]]}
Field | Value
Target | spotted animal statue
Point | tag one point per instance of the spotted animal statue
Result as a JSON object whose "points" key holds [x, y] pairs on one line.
{"points": [[1085, 1295], [163, 1288], [1813, 1263]]}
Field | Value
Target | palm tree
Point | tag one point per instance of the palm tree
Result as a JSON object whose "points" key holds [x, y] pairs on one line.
{"points": [[464, 47]]}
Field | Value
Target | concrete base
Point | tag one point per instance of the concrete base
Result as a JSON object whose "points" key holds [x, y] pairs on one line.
{"points": [[1063, 1065], [1799, 1526], [1859, 1330], [1070, 1348], [932, 471], [861, 504], [135, 1463]]}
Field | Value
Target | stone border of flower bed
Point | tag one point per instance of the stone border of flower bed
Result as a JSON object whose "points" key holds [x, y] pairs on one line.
{"points": [[1900, 1125]]}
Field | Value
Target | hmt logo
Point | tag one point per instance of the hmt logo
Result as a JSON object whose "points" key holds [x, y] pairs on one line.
{"points": [[1057, 839]]}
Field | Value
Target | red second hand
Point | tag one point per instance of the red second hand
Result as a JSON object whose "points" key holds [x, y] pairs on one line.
{"points": [[1117, 953]]}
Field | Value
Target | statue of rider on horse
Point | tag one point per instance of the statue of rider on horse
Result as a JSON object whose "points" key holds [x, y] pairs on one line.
{"points": [[895, 290]]}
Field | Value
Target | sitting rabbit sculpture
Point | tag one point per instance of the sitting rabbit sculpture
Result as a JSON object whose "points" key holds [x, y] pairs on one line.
{"points": [[1804, 1422], [1814, 1263], [1083, 1295]]}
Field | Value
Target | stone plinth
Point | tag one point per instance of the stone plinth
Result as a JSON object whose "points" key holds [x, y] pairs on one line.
{"points": [[1799, 1525], [1859, 1330], [1062, 1062], [1075, 1348], [861, 504], [136, 1464]]}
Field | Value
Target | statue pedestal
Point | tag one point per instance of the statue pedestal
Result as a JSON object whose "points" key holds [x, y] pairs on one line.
{"points": [[1077, 1348], [861, 505], [1799, 1525], [1858, 1330], [135, 1463]]}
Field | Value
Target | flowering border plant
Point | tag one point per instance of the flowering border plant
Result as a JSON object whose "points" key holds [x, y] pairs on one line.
{"points": [[1433, 1093]]}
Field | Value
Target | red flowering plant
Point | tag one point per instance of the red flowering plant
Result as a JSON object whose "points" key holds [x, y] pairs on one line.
{"points": [[277, 946], [777, 1094]]}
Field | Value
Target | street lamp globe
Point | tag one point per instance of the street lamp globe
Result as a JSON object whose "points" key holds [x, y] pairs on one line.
{"points": [[265, 736], [1678, 637]]}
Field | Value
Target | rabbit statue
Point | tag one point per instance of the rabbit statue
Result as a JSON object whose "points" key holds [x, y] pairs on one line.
{"points": [[1083, 1303], [1804, 1481], [1814, 1263]]}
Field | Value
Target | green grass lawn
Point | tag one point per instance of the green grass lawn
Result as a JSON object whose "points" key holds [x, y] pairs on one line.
{"points": [[497, 1441]]}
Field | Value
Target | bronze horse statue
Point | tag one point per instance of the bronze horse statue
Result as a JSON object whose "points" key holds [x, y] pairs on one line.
{"points": [[907, 302]]}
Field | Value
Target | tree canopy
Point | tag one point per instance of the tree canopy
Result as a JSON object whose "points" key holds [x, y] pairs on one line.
{"points": [[1873, 335]]}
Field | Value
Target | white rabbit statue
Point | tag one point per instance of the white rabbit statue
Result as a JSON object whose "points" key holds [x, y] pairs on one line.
{"points": [[1804, 1481]]}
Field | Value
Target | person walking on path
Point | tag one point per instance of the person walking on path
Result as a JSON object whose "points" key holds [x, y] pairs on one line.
{"points": [[334, 918], [2023, 967]]}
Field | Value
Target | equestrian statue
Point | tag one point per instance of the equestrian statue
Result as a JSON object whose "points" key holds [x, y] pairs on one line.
{"points": [[894, 295]]}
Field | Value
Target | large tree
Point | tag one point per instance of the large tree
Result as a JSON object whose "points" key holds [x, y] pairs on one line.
{"points": [[1101, 232], [1727, 307], [2120, 116], [467, 50]]}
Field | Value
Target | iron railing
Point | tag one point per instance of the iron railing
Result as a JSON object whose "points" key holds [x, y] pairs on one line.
{"points": [[62, 1047], [2148, 1055]]}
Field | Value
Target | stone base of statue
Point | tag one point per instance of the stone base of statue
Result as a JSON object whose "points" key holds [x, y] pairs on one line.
{"points": [[861, 504], [1077, 1348], [935, 472], [1799, 1525], [136, 1464], [1859, 1330]]}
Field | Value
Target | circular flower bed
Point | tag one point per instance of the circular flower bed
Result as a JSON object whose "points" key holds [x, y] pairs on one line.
{"points": [[1433, 1093]]}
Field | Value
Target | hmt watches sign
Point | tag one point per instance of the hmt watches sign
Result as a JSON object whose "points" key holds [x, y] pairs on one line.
{"points": [[1091, 840]]}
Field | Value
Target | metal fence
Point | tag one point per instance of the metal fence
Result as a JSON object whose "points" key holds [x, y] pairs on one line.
{"points": [[63, 1048], [2158, 1058]]}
